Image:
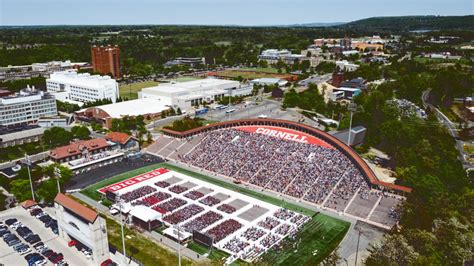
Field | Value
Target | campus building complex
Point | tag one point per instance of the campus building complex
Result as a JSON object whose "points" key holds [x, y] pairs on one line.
{"points": [[187, 94], [26, 107], [70, 86]]}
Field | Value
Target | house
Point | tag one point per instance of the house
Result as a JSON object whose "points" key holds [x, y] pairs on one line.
{"points": [[79, 149], [123, 140]]}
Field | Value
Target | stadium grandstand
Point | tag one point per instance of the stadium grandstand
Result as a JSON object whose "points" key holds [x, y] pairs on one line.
{"points": [[288, 159]]}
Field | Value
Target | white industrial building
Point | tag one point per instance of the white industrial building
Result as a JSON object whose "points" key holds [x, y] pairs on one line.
{"points": [[346, 65], [269, 82], [187, 94], [70, 86], [26, 107], [272, 56]]}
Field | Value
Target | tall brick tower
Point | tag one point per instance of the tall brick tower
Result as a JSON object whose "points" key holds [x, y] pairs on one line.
{"points": [[106, 60]]}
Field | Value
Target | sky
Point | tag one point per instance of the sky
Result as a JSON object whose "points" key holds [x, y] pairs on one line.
{"points": [[216, 12]]}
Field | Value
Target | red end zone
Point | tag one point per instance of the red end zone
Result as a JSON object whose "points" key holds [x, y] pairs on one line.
{"points": [[285, 133], [134, 180]]}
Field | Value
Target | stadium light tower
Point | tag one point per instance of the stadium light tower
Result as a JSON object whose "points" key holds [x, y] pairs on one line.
{"points": [[352, 108], [28, 163], [123, 237]]}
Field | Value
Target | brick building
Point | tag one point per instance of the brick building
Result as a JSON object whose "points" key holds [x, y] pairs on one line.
{"points": [[106, 60]]}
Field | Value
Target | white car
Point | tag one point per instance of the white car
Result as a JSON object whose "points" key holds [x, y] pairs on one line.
{"points": [[16, 225], [24, 251], [40, 262], [230, 111], [263, 116]]}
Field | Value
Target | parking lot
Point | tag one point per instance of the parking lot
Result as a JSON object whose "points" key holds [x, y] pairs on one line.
{"points": [[9, 257]]}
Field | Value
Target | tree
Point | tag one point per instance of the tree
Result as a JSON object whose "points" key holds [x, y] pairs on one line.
{"points": [[393, 250], [81, 132], [178, 111], [48, 190], [56, 136], [21, 189]]}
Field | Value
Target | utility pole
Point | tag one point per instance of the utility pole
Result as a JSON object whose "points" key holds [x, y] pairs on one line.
{"points": [[28, 162], [357, 250], [179, 245], [123, 237], [352, 107], [57, 173]]}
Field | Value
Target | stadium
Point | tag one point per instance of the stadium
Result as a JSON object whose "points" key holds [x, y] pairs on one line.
{"points": [[253, 190], [288, 159]]}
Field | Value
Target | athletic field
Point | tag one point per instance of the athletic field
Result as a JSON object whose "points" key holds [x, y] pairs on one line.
{"points": [[316, 240]]}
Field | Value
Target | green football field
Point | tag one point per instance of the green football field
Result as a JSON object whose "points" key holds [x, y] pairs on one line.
{"points": [[312, 244]]}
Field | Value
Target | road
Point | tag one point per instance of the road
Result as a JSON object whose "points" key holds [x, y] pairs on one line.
{"points": [[316, 79], [450, 126]]}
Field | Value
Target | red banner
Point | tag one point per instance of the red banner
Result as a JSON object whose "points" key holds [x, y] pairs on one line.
{"points": [[285, 133], [134, 180]]}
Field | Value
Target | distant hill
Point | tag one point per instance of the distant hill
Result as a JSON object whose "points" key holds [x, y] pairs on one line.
{"points": [[316, 24], [409, 23]]}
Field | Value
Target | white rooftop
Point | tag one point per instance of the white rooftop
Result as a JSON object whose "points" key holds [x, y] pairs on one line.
{"points": [[134, 107], [205, 84], [85, 79], [144, 213]]}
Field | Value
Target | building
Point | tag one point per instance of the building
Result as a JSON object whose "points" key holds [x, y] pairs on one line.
{"points": [[19, 135], [79, 149], [186, 61], [325, 42], [337, 78], [359, 83], [269, 82], [55, 121], [73, 87], [147, 107], [272, 56], [187, 94], [344, 65], [123, 140], [80, 224], [38, 69], [348, 93], [362, 46], [26, 107], [357, 135], [5, 92], [106, 60]]}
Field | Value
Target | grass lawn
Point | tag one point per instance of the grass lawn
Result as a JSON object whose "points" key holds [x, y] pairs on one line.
{"points": [[130, 90], [313, 243], [316, 240], [140, 247], [215, 254]]}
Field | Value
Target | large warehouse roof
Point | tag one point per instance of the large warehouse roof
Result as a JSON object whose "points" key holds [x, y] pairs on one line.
{"points": [[134, 107], [205, 84]]}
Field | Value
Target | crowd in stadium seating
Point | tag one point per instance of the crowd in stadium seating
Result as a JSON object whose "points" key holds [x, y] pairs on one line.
{"points": [[170, 205], [137, 193], [162, 184], [236, 245], [183, 214], [209, 201], [178, 189], [153, 199], [284, 229], [301, 170], [194, 195], [224, 229], [269, 223], [226, 208], [269, 240], [253, 233], [202, 221], [283, 214]]}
